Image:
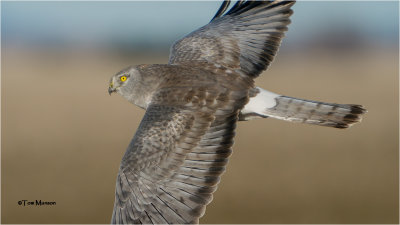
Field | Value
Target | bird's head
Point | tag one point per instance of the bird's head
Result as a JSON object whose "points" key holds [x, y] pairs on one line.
{"points": [[134, 84], [122, 81]]}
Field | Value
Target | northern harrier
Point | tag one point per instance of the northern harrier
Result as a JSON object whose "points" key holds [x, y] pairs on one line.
{"points": [[174, 162]]}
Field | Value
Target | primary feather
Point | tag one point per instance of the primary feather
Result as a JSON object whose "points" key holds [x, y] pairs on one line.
{"points": [[246, 38]]}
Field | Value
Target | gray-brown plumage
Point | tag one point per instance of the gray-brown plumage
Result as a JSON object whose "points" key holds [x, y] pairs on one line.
{"points": [[313, 112], [174, 162], [247, 37]]}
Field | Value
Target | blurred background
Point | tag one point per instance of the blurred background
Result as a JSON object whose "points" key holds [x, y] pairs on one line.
{"points": [[63, 136]]}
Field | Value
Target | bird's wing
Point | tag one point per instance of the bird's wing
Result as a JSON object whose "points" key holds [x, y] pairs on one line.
{"points": [[247, 37], [174, 162]]}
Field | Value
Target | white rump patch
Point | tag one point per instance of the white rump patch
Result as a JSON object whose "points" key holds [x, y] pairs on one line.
{"points": [[263, 100]]}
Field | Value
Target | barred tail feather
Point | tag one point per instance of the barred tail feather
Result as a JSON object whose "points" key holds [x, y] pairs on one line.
{"points": [[312, 112], [267, 104]]}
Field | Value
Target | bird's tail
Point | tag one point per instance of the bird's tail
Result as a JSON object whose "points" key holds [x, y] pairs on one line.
{"points": [[267, 104]]}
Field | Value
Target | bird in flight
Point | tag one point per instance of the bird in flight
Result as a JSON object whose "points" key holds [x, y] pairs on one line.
{"points": [[174, 162]]}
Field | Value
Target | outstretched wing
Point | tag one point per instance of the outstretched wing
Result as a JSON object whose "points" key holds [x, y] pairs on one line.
{"points": [[174, 162], [247, 37]]}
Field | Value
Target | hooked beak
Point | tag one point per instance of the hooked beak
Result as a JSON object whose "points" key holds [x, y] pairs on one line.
{"points": [[111, 90]]}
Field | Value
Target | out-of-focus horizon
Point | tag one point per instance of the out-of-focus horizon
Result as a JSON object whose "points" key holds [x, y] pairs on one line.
{"points": [[63, 136]]}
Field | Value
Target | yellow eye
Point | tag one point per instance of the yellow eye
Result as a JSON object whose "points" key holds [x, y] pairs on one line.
{"points": [[123, 78]]}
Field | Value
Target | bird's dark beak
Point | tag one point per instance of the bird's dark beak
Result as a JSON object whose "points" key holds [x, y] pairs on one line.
{"points": [[111, 90]]}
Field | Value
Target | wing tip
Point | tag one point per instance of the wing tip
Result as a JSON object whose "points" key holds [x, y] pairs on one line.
{"points": [[222, 9], [243, 6]]}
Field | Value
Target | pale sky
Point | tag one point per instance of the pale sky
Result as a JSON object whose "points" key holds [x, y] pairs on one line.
{"points": [[160, 23]]}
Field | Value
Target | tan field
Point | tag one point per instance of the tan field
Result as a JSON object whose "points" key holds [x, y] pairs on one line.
{"points": [[63, 138]]}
